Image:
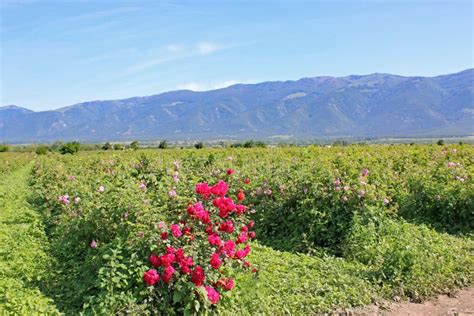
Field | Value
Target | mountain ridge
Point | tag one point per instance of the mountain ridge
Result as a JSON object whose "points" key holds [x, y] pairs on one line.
{"points": [[374, 105]]}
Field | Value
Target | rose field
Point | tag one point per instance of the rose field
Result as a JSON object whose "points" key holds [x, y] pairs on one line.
{"points": [[234, 231]]}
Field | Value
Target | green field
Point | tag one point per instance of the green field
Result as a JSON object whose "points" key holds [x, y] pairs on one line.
{"points": [[335, 228]]}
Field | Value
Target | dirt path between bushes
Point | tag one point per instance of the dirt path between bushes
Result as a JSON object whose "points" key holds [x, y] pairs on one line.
{"points": [[23, 245], [459, 303]]}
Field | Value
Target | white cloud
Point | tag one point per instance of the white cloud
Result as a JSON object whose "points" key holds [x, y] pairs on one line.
{"points": [[175, 51], [225, 84], [175, 48], [196, 86], [204, 48], [148, 64]]}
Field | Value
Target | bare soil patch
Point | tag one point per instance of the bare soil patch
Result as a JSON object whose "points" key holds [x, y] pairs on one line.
{"points": [[457, 304]]}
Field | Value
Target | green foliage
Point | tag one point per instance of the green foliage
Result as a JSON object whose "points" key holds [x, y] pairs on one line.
{"points": [[70, 148], [199, 145], [163, 144], [56, 146], [9, 162], [341, 142], [249, 144], [440, 142], [42, 150], [118, 147], [298, 284], [4, 148], [107, 146], [24, 246], [408, 260], [134, 145], [320, 247]]}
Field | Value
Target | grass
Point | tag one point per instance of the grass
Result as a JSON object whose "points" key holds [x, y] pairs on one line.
{"points": [[288, 283], [23, 250]]}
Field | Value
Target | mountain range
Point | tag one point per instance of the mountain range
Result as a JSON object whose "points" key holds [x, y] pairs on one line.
{"points": [[375, 105]]}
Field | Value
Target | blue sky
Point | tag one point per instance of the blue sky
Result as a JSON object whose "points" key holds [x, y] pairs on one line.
{"points": [[57, 53]]}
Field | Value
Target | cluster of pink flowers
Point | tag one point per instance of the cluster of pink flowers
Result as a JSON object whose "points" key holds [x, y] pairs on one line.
{"points": [[462, 179], [365, 172], [338, 184], [261, 191], [454, 164], [64, 199], [172, 193], [218, 227]]}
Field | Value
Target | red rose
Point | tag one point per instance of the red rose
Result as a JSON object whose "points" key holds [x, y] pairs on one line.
{"points": [[214, 239], [228, 248], [215, 261], [203, 189], [151, 277], [220, 188], [241, 196], [176, 230], [155, 261], [168, 274], [227, 226], [241, 209], [212, 294], [242, 238], [167, 259], [229, 285], [198, 276]]}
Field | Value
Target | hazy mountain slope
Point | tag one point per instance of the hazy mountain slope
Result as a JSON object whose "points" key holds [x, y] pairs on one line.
{"points": [[371, 105]]}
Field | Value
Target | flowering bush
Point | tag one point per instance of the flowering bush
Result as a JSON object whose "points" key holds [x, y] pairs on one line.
{"points": [[111, 218], [193, 260]]}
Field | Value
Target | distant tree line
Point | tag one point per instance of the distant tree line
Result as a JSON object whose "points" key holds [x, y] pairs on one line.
{"points": [[249, 144], [74, 147]]}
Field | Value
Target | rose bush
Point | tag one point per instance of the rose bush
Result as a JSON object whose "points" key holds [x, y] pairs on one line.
{"points": [[150, 215], [193, 260]]}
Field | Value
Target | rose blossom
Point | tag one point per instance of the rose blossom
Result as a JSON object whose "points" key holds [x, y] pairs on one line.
{"points": [[168, 274], [240, 196], [215, 261], [64, 199], [172, 193], [212, 294], [176, 230], [198, 277], [151, 277]]}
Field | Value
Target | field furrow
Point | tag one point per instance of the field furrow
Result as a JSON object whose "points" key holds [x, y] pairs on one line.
{"points": [[23, 250]]}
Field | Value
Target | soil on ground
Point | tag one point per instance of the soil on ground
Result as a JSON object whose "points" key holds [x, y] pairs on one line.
{"points": [[460, 303]]}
